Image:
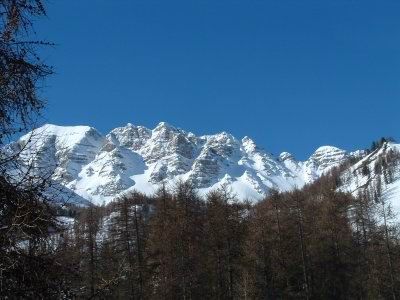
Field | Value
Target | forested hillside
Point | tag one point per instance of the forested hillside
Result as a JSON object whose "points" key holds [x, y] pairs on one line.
{"points": [[314, 243]]}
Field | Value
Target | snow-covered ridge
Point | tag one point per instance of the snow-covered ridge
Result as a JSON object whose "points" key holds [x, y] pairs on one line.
{"points": [[377, 174], [99, 167]]}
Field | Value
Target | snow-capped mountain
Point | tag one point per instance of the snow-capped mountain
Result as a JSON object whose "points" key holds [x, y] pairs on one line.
{"points": [[100, 167]]}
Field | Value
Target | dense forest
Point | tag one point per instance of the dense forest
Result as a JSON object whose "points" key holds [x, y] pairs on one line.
{"points": [[314, 243]]}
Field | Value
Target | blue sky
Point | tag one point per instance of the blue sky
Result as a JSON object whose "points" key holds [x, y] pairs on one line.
{"points": [[293, 75]]}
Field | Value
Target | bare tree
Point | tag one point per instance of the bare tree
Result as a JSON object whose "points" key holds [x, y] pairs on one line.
{"points": [[21, 70]]}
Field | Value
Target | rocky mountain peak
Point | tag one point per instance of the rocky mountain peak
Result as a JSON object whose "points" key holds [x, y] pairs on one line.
{"points": [[248, 144], [130, 136], [285, 156], [327, 156]]}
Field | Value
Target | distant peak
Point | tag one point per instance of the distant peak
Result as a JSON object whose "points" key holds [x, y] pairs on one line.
{"points": [[129, 126], [286, 156], [247, 139], [224, 137], [60, 130], [164, 125], [323, 149], [248, 144]]}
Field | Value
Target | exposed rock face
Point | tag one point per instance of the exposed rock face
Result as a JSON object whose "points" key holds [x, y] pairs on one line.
{"points": [[130, 136], [98, 167], [322, 160]]}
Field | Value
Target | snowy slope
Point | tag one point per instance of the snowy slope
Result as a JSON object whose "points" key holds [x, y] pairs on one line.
{"points": [[321, 161], [365, 176], [99, 167]]}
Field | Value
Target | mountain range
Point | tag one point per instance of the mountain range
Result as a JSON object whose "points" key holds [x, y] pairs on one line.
{"points": [[97, 168]]}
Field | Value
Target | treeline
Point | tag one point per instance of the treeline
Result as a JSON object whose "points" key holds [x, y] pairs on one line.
{"points": [[380, 170], [313, 243], [379, 143]]}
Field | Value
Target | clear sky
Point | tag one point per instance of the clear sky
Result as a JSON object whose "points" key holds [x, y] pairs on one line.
{"points": [[291, 74]]}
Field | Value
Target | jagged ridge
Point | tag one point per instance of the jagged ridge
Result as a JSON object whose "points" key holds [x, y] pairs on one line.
{"points": [[99, 167]]}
